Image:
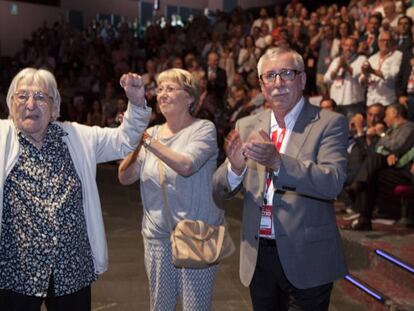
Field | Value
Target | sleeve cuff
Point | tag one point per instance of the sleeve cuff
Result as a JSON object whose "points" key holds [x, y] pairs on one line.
{"points": [[233, 179], [144, 107]]}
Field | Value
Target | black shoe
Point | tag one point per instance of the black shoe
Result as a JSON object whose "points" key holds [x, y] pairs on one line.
{"points": [[351, 193], [359, 224]]}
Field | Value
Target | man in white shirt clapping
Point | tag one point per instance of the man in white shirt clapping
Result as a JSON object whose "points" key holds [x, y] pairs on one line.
{"points": [[342, 76]]}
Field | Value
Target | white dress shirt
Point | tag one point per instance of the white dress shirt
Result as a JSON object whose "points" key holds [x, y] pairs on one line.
{"points": [[290, 121], [383, 90], [345, 89]]}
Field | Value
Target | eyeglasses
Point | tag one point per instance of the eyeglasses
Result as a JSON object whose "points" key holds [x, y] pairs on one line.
{"points": [[39, 97], [284, 74], [167, 89]]}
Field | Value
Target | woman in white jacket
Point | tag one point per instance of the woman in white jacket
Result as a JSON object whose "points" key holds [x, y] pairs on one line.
{"points": [[52, 239]]}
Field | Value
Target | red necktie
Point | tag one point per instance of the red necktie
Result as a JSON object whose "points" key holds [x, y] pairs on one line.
{"points": [[278, 139]]}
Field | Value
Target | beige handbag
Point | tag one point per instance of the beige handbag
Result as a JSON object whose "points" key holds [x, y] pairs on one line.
{"points": [[196, 244]]}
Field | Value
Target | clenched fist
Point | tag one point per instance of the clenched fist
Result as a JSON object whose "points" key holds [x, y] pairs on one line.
{"points": [[134, 88]]}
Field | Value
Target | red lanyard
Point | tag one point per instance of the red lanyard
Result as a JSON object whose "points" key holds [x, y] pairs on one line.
{"points": [[277, 138], [266, 226]]}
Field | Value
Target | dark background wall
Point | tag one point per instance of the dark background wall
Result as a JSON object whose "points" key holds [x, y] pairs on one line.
{"points": [[45, 2]]}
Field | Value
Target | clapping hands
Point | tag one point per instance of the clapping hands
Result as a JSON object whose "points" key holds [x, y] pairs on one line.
{"points": [[233, 146], [259, 148], [366, 68]]}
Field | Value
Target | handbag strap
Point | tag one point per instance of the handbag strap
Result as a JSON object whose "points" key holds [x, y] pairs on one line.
{"points": [[164, 193], [220, 239]]}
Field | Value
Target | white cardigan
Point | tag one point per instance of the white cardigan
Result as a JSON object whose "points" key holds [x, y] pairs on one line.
{"points": [[88, 146]]}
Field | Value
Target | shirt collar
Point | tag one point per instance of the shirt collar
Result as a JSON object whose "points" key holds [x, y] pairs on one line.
{"points": [[290, 118]]}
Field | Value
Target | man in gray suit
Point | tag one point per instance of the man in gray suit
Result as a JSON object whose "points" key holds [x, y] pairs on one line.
{"points": [[290, 163]]}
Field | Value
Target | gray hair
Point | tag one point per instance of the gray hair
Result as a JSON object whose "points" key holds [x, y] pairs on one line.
{"points": [[273, 53], [37, 76], [391, 34]]}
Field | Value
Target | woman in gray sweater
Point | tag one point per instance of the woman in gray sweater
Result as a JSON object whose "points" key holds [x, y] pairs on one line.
{"points": [[186, 147]]}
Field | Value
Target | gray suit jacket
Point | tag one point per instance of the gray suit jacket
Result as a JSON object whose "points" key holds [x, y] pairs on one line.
{"points": [[311, 175]]}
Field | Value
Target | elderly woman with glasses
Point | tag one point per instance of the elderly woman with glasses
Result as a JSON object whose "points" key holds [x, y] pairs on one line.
{"points": [[52, 240], [182, 152]]}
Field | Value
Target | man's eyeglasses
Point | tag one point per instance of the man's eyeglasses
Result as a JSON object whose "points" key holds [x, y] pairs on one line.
{"points": [[167, 89], [39, 97], [285, 75]]}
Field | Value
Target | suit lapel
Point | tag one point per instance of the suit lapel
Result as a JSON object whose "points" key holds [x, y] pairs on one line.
{"points": [[297, 139], [301, 129], [262, 122]]}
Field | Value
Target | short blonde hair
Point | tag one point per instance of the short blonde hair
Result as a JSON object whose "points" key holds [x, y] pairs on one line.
{"points": [[37, 76], [184, 79]]}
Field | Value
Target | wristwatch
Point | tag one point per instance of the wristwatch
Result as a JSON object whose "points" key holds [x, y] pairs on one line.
{"points": [[146, 140]]}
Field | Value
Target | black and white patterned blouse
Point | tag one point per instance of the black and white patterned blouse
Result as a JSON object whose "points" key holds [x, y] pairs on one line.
{"points": [[43, 230]]}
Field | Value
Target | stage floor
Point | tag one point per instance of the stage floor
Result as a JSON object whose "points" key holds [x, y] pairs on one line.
{"points": [[124, 286]]}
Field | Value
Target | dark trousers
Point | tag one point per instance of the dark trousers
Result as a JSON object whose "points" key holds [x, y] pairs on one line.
{"points": [[410, 107], [370, 167], [271, 291], [355, 159], [380, 180], [79, 301], [365, 199]]}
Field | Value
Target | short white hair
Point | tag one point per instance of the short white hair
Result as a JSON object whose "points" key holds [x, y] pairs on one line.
{"points": [[38, 76], [390, 33], [273, 53]]}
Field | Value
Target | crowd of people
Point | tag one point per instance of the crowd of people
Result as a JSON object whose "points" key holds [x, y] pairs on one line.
{"points": [[89, 62], [226, 84]]}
